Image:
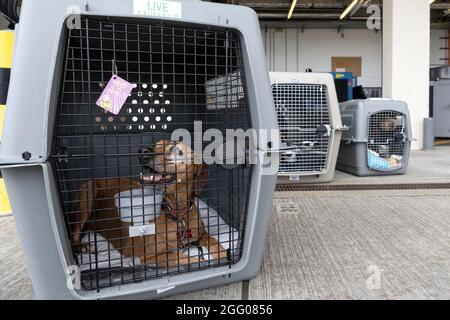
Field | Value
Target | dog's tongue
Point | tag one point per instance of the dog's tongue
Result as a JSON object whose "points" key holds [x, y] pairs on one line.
{"points": [[151, 178]]}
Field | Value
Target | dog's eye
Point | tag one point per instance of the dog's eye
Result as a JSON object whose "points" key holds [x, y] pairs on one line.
{"points": [[176, 151]]}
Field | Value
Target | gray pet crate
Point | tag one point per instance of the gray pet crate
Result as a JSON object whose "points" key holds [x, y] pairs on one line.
{"points": [[378, 140], [310, 126], [55, 137]]}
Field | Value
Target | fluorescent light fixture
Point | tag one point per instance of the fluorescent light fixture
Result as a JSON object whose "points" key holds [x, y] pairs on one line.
{"points": [[432, 1], [350, 7], [291, 10]]}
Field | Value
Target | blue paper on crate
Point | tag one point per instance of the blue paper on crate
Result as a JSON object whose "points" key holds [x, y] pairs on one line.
{"points": [[376, 162], [381, 164]]}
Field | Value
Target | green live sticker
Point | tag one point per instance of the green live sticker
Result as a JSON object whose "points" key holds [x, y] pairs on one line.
{"points": [[157, 8]]}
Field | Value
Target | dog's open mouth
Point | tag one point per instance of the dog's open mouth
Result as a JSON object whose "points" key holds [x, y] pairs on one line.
{"points": [[150, 176]]}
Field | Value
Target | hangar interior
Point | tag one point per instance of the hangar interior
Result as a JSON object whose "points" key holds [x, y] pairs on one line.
{"points": [[325, 240]]}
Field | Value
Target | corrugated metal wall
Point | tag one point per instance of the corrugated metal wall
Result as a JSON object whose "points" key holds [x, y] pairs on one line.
{"points": [[294, 50], [291, 49], [282, 49]]}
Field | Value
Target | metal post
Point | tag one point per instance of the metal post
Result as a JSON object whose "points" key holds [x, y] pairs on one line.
{"points": [[428, 134]]}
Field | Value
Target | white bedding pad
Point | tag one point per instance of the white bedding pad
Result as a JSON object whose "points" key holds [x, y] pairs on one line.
{"points": [[109, 257]]}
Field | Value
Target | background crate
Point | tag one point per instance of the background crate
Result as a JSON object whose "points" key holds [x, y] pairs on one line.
{"points": [[379, 132], [310, 124]]}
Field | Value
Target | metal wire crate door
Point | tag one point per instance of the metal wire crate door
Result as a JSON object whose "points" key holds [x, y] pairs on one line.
{"points": [[174, 69], [387, 140], [302, 112]]}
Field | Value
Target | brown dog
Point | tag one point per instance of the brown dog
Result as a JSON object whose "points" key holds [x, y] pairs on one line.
{"points": [[389, 124], [178, 226]]}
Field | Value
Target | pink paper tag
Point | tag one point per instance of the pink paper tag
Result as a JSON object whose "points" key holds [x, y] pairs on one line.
{"points": [[115, 94]]}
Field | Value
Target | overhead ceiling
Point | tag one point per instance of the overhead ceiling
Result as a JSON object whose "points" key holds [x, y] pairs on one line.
{"points": [[323, 13]]}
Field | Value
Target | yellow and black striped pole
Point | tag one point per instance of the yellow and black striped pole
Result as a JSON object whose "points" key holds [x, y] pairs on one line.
{"points": [[6, 52]]}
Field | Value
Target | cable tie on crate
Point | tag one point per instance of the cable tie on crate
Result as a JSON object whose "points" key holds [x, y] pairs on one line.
{"points": [[115, 70]]}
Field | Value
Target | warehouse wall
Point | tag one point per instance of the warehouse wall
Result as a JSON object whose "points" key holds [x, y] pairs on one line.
{"points": [[293, 50], [436, 54]]}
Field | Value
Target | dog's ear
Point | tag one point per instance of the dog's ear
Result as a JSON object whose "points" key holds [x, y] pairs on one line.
{"points": [[201, 177]]}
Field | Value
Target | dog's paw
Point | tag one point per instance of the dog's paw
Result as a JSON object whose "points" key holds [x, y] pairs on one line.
{"points": [[187, 261]]}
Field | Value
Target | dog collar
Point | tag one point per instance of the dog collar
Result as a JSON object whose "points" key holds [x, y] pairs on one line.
{"points": [[174, 214]]}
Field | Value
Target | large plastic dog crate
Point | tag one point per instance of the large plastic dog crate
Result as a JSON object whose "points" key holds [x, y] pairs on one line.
{"points": [[310, 126], [76, 171], [378, 141]]}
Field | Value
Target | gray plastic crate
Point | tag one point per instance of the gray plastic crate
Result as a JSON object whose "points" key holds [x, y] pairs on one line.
{"points": [[310, 126], [378, 140], [56, 138]]}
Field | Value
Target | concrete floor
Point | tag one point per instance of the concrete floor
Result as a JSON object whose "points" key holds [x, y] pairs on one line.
{"points": [[329, 245]]}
